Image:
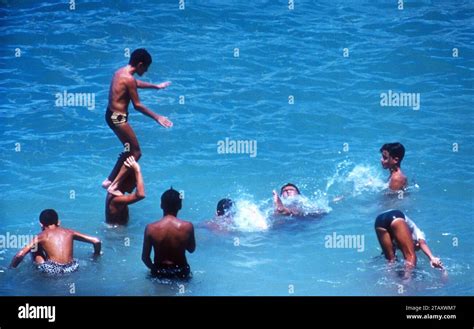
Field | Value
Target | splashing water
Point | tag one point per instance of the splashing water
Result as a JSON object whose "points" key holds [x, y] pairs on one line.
{"points": [[355, 181], [316, 205], [248, 217], [366, 179]]}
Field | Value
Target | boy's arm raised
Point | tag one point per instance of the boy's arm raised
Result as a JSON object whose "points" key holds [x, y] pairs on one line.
{"points": [[140, 192]]}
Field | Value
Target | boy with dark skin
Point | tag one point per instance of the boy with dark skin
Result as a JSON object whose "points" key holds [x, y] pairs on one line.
{"points": [[392, 156], [123, 89], [54, 246], [116, 206], [169, 237]]}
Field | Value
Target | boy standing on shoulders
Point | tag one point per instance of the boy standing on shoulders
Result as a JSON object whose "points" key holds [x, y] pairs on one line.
{"points": [[123, 90]]}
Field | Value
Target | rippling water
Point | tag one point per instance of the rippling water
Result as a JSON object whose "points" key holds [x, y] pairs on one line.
{"points": [[326, 142]]}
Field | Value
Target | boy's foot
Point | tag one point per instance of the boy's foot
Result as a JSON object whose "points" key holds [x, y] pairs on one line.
{"points": [[106, 183]]}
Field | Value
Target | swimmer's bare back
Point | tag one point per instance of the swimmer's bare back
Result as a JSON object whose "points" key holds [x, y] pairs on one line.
{"points": [[170, 238], [57, 245]]}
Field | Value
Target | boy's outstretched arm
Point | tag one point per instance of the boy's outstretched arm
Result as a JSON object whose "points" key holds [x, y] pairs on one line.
{"points": [[132, 90], [89, 239], [434, 261], [143, 84], [23, 252]]}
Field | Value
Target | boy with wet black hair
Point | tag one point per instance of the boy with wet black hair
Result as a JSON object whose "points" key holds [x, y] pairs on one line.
{"points": [[392, 156], [170, 238], [224, 207], [53, 247]]}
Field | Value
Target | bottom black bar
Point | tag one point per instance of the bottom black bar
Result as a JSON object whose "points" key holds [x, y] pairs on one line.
{"points": [[61, 312]]}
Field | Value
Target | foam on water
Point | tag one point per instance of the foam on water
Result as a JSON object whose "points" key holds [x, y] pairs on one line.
{"points": [[354, 180], [249, 217], [337, 101]]}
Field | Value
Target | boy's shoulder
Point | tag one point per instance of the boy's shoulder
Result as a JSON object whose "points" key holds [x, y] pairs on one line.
{"points": [[398, 180], [182, 225], [399, 175]]}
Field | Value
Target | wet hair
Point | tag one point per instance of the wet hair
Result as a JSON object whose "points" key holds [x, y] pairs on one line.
{"points": [[396, 150], [48, 217], [224, 206], [171, 202], [289, 184], [140, 55]]}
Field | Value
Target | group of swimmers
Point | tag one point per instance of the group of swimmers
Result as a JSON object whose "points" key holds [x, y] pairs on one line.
{"points": [[170, 237]]}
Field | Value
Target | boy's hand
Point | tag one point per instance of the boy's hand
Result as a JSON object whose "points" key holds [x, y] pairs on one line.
{"points": [[163, 85], [131, 163], [164, 121], [436, 262], [96, 256], [277, 201]]}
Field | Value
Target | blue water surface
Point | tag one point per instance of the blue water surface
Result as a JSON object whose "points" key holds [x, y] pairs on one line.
{"points": [[251, 71]]}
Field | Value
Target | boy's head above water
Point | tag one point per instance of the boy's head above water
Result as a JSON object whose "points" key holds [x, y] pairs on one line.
{"points": [[224, 207], [48, 217], [392, 155], [141, 60], [288, 190], [171, 202]]}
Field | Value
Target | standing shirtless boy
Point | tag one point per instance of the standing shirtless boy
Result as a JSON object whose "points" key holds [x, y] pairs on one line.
{"points": [[123, 89]]}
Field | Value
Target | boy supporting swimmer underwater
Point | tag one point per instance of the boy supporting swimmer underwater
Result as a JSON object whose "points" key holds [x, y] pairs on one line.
{"points": [[123, 89], [392, 156]]}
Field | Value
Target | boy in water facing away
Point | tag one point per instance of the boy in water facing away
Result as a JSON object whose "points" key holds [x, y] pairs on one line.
{"points": [[170, 238], [395, 230], [392, 156], [123, 89], [54, 246]]}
